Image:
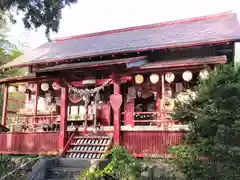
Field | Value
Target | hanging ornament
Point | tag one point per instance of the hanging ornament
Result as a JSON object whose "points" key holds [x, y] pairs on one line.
{"points": [[97, 97], [56, 85], [32, 87], [154, 78], [155, 95], [74, 97], [187, 76], [169, 77], [139, 93], [22, 88], [139, 79], [116, 101], [12, 89], [45, 86], [203, 74]]}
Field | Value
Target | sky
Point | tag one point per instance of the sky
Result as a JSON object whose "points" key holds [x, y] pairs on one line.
{"points": [[99, 15]]}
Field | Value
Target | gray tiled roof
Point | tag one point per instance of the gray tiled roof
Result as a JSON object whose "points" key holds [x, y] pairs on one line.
{"points": [[201, 30]]}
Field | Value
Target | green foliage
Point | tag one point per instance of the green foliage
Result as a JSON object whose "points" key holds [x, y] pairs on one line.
{"points": [[8, 52], [214, 122], [122, 166], [38, 13]]}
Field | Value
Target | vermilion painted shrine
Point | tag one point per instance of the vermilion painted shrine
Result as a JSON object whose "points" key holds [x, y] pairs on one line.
{"points": [[82, 94]]}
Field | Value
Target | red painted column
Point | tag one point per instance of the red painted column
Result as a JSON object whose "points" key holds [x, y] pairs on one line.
{"points": [[5, 104], [162, 115], [117, 121], [36, 100], [63, 118], [35, 119]]}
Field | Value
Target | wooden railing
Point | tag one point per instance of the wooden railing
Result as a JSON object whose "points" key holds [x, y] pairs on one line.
{"points": [[28, 143], [144, 143], [20, 123], [151, 118], [14, 105]]}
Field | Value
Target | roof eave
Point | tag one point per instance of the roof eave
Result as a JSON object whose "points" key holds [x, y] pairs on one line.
{"points": [[57, 60]]}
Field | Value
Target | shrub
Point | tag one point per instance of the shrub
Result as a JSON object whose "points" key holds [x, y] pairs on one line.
{"points": [[214, 121], [122, 166]]}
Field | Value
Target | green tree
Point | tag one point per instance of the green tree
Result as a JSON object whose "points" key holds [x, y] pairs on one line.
{"points": [[38, 12], [8, 52], [214, 122]]}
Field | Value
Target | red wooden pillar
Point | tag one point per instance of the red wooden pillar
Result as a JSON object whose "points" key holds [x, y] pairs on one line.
{"points": [[117, 121], [63, 118], [36, 100], [5, 104], [163, 99]]}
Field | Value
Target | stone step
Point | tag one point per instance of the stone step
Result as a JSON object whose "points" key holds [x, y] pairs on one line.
{"points": [[64, 172], [67, 169], [71, 162]]}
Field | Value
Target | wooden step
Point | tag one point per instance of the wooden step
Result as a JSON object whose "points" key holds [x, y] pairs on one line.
{"points": [[88, 147], [79, 144], [92, 137], [84, 155], [77, 151]]}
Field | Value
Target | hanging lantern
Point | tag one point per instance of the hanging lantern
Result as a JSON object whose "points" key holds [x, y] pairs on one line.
{"points": [[21, 88], [12, 89], [32, 87], [139, 79], [56, 85], [187, 76], [45, 86], [203, 74], [154, 78], [169, 77]]}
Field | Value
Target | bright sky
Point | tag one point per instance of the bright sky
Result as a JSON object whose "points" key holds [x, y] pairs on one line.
{"points": [[98, 15]]}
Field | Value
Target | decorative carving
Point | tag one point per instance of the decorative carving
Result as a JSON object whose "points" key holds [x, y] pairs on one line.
{"points": [[116, 101]]}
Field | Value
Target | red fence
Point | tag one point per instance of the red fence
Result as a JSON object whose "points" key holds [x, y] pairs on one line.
{"points": [[142, 143], [28, 143]]}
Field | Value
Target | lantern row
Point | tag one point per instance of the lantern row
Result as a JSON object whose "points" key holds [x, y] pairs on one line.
{"points": [[169, 77], [22, 88]]}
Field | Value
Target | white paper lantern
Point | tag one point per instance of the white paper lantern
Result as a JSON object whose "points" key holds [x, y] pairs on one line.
{"points": [[203, 74], [169, 77], [22, 88], [187, 76], [32, 87], [26, 85], [139, 79], [12, 89], [45, 86], [154, 78]]}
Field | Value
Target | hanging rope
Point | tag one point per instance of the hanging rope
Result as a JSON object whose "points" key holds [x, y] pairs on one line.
{"points": [[86, 94], [86, 91]]}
